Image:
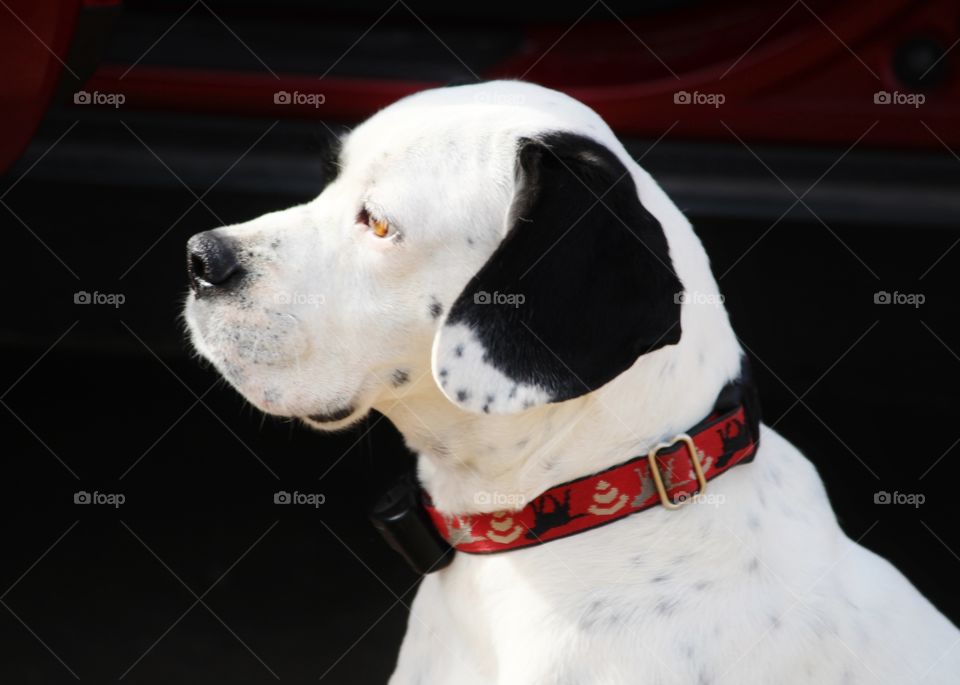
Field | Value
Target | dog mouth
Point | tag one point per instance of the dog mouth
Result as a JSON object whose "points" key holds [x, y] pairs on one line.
{"points": [[260, 357], [333, 416]]}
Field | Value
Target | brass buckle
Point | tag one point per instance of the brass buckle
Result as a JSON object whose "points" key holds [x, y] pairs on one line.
{"points": [[658, 479]]}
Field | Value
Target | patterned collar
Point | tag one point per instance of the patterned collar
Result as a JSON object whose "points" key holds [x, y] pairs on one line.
{"points": [[671, 475]]}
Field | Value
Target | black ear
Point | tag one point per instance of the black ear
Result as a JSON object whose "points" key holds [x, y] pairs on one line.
{"points": [[581, 286]]}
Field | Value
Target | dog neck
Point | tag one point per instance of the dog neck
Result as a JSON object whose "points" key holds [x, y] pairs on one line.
{"points": [[472, 463]]}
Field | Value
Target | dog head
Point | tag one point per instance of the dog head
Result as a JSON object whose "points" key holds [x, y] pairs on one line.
{"points": [[493, 237]]}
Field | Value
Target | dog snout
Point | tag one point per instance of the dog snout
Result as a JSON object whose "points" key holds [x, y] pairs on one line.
{"points": [[211, 262]]}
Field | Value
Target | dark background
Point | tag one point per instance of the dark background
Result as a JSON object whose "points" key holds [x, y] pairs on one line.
{"points": [[105, 399]]}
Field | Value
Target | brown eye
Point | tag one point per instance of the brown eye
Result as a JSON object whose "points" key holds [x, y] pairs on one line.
{"points": [[379, 227]]}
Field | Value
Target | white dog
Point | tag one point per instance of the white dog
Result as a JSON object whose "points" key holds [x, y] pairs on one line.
{"points": [[493, 272]]}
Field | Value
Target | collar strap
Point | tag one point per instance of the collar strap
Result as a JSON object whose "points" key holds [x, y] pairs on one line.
{"points": [[671, 474]]}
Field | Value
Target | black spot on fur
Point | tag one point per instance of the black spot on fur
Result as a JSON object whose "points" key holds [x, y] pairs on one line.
{"points": [[576, 330], [463, 395], [458, 350], [601, 615], [668, 369], [773, 475], [436, 309], [667, 606]]}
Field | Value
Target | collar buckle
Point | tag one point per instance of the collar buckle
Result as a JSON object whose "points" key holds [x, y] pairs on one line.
{"points": [[693, 452]]}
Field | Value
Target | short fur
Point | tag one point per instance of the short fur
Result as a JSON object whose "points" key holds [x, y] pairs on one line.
{"points": [[761, 587]]}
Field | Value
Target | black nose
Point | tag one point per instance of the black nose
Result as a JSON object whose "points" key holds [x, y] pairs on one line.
{"points": [[211, 262]]}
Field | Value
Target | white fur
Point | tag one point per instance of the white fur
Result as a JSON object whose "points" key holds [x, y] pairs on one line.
{"points": [[761, 588]]}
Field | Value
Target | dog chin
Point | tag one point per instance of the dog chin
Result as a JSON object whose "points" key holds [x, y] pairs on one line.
{"points": [[267, 399], [336, 419], [328, 419]]}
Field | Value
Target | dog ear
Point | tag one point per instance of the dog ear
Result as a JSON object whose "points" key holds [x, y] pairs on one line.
{"points": [[581, 286]]}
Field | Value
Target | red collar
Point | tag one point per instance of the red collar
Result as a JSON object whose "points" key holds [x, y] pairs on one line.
{"points": [[671, 474]]}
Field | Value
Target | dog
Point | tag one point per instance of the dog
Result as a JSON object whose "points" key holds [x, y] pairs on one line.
{"points": [[493, 272]]}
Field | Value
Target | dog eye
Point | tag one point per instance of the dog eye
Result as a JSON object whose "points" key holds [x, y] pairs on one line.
{"points": [[379, 227]]}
